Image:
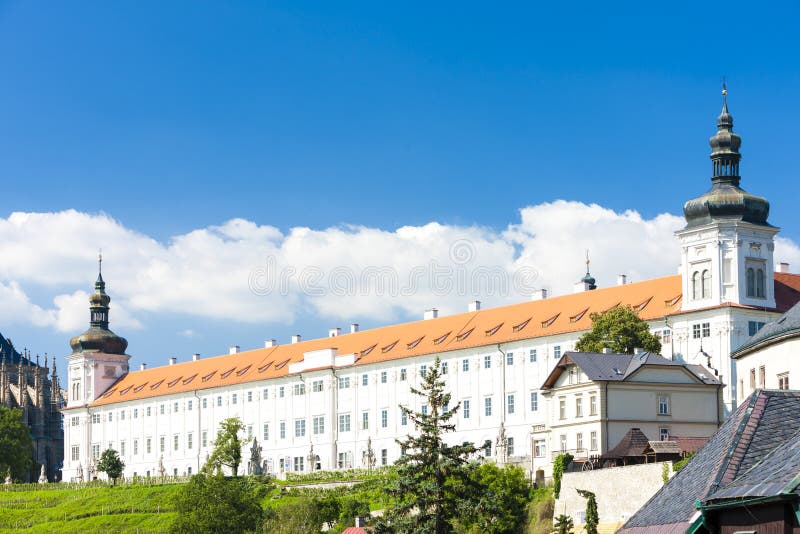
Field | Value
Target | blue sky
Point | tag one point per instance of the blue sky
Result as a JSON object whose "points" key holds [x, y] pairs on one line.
{"points": [[177, 116]]}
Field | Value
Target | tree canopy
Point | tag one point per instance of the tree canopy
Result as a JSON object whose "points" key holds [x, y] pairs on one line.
{"points": [[227, 447], [16, 445], [213, 503], [111, 464], [500, 503], [433, 478], [619, 329]]}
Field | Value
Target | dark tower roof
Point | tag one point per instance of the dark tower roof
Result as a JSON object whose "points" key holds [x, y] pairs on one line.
{"points": [[725, 199], [99, 338]]}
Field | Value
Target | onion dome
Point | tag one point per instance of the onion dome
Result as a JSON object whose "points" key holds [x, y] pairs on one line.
{"points": [[98, 338], [588, 279], [725, 199]]}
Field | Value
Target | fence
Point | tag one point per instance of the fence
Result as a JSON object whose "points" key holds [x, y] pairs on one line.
{"points": [[130, 481]]}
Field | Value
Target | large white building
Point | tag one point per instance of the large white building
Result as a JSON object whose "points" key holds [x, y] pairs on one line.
{"points": [[341, 392]]}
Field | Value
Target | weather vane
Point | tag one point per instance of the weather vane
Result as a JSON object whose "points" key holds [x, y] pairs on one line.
{"points": [[100, 260]]}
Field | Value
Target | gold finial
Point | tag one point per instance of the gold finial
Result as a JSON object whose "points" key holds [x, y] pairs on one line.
{"points": [[587, 260], [724, 86]]}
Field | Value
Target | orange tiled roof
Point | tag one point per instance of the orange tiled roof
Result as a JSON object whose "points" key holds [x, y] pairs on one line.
{"points": [[527, 320]]}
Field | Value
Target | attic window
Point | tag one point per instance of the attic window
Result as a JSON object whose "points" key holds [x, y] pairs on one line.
{"points": [[520, 326], [673, 301], [389, 347], [240, 372], [367, 350], [209, 375], [227, 373], [124, 391], [189, 379], [440, 339], [550, 321], [170, 384], [465, 335], [617, 371], [612, 307], [137, 389], [109, 393], [282, 364], [492, 331], [414, 343], [578, 316], [642, 305], [264, 367], [154, 386]]}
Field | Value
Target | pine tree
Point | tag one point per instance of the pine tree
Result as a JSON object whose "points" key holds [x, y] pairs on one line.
{"points": [[433, 478], [592, 517]]}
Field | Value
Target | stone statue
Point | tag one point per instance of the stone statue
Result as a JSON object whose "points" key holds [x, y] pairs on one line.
{"points": [[254, 465], [501, 445], [161, 471], [43, 475], [312, 459], [80, 473], [8, 480], [368, 456]]}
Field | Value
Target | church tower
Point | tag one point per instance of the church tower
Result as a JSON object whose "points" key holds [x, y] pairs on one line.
{"points": [[727, 244], [98, 356]]}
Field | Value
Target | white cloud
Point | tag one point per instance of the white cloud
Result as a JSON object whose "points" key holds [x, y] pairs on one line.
{"points": [[244, 272]]}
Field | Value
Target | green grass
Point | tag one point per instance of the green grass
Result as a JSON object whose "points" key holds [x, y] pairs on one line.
{"points": [[91, 509]]}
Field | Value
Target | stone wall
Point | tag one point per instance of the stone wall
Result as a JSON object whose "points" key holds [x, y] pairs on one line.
{"points": [[620, 491]]}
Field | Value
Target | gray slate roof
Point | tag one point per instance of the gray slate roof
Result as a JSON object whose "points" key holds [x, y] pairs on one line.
{"points": [[761, 436], [787, 324]]}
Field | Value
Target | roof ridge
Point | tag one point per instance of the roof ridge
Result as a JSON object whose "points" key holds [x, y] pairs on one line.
{"points": [[740, 440]]}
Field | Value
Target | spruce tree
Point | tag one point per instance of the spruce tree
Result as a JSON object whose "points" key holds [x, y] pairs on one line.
{"points": [[433, 478], [592, 517]]}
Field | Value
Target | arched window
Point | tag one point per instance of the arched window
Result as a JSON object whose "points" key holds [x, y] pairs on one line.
{"points": [[706, 284], [696, 286], [760, 283], [751, 282]]}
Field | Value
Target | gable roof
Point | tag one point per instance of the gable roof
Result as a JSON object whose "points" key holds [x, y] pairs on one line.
{"points": [[614, 367], [653, 299], [633, 443], [784, 327], [751, 440]]}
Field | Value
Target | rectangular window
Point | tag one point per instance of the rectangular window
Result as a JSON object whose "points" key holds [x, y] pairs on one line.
{"points": [[265, 394], [384, 456], [161, 409], [365, 379], [592, 404], [383, 377], [147, 411], [205, 403], [299, 428], [122, 448], [316, 386], [175, 442], [579, 407], [95, 418], [219, 400], [110, 416], [510, 358], [783, 381], [318, 424], [122, 415], [754, 326], [176, 407], [510, 446], [532, 355], [135, 449], [75, 421], [695, 331], [403, 418], [402, 374], [136, 413], [663, 405], [76, 453], [189, 440], [562, 408], [706, 329], [299, 389], [465, 365], [593, 440], [204, 439], [283, 429], [384, 418], [344, 382], [299, 466], [534, 401], [423, 370], [344, 422], [539, 448], [364, 420], [264, 432], [161, 444], [148, 445], [234, 398], [753, 378], [563, 441], [663, 433], [465, 409], [281, 391], [510, 404], [579, 440], [424, 409], [189, 406], [762, 377], [557, 352], [487, 361], [444, 368], [249, 397], [487, 406]]}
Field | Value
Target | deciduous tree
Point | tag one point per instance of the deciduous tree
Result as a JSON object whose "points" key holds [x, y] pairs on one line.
{"points": [[619, 329], [111, 464], [213, 503], [227, 447], [15, 443]]}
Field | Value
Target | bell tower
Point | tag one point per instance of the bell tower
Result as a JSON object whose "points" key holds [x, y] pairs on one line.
{"points": [[727, 244]]}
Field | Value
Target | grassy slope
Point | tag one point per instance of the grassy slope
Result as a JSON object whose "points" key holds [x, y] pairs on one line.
{"points": [[102, 509]]}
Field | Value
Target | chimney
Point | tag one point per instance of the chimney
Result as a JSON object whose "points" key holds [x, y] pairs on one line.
{"points": [[142, 366], [268, 344], [783, 267], [432, 313], [353, 328], [606, 350], [539, 294], [296, 338], [172, 360], [333, 332], [234, 349], [474, 306], [622, 279], [195, 356]]}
